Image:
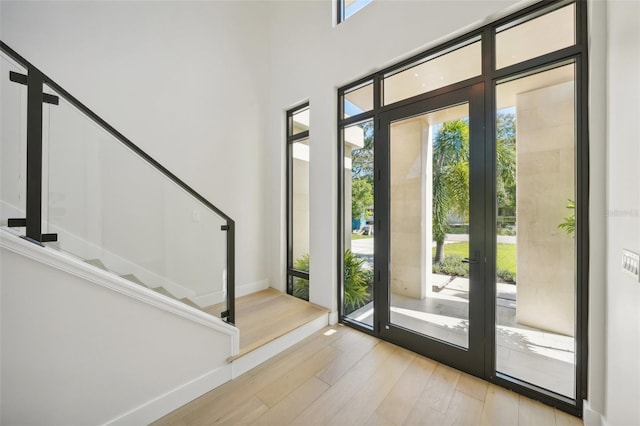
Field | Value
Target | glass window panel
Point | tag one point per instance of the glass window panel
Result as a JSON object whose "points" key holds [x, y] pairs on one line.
{"points": [[535, 283], [300, 205], [429, 224], [299, 122], [459, 64], [358, 220], [110, 207], [13, 133], [536, 37], [358, 101], [352, 6]]}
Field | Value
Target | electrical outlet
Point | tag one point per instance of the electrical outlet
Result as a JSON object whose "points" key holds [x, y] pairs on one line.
{"points": [[631, 263]]}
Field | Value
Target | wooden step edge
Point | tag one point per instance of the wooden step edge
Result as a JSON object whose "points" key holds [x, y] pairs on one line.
{"points": [[268, 339]]}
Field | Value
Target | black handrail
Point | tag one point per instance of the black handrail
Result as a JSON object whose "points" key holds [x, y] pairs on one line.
{"points": [[35, 82]]}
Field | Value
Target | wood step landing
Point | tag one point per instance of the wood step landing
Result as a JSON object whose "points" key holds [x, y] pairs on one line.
{"points": [[267, 315]]}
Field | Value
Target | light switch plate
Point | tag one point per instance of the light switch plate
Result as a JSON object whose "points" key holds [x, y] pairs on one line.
{"points": [[631, 263]]}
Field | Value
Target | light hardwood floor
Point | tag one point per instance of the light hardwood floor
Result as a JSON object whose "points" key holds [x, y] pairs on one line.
{"points": [[340, 376]]}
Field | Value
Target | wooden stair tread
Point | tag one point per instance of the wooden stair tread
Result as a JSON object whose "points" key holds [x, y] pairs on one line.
{"points": [[266, 315]]}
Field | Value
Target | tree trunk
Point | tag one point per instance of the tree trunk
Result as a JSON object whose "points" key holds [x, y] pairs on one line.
{"points": [[439, 252]]}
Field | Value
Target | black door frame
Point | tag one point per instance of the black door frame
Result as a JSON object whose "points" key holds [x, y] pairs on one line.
{"points": [[578, 54], [472, 358]]}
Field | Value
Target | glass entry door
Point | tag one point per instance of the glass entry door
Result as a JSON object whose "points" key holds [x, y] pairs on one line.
{"points": [[431, 188]]}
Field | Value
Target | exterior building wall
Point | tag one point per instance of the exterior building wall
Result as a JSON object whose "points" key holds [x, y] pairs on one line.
{"points": [[545, 183], [410, 195]]}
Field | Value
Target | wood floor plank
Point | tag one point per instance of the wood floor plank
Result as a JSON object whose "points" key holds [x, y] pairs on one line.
{"points": [[422, 414], [384, 386], [334, 399], [463, 410], [377, 419], [361, 405], [500, 407], [276, 391], [292, 405], [244, 414], [398, 403], [473, 386], [534, 413], [353, 350], [439, 389]]}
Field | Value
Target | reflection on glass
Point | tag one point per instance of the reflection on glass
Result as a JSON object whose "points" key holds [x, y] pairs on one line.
{"points": [[299, 122], [13, 133], [429, 200], [358, 101], [551, 32], [352, 6], [535, 283], [456, 65], [358, 219], [300, 213], [107, 204]]}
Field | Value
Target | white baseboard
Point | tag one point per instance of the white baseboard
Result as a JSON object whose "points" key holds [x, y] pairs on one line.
{"points": [[176, 398], [591, 417], [253, 287], [262, 354], [214, 297]]}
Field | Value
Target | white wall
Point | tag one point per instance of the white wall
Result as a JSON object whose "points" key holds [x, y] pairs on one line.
{"points": [[310, 59], [185, 81], [623, 222], [74, 352]]}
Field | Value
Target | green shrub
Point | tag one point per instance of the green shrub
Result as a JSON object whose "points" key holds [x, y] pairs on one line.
{"points": [[300, 285], [357, 279], [451, 265], [506, 275]]}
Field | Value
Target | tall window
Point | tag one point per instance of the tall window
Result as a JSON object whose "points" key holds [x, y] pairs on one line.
{"points": [[298, 201], [347, 8]]}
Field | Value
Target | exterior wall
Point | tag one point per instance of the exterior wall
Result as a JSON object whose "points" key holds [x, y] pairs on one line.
{"points": [[300, 207], [410, 191], [545, 181]]}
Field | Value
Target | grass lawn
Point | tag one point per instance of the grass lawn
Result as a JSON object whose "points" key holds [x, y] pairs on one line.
{"points": [[360, 237], [506, 254]]}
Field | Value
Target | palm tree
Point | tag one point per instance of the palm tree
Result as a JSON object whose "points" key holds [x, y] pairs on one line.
{"points": [[450, 178], [451, 172]]}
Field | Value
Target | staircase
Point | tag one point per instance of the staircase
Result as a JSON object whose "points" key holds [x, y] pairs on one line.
{"points": [[269, 320], [117, 277], [212, 309]]}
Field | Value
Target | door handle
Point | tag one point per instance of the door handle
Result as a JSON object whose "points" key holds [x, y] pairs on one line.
{"points": [[467, 260]]}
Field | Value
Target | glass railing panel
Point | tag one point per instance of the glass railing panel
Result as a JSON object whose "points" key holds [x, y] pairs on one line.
{"points": [[111, 207], [13, 146]]}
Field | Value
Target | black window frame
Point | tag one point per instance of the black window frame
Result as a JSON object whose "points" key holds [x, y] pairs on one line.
{"points": [[292, 138], [578, 54]]}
